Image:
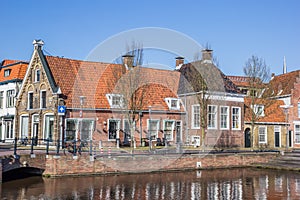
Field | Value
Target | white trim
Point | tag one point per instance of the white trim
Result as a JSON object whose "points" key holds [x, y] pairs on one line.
{"points": [[193, 118], [157, 126], [266, 135], [172, 128], [35, 75], [239, 121], [44, 127], [295, 133], [219, 96], [215, 116], [169, 103], [118, 128], [28, 102], [228, 117], [279, 128], [21, 124], [110, 100], [41, 91]]}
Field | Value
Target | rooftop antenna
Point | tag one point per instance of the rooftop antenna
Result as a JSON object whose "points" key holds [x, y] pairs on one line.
{"points": [[284, 65]]}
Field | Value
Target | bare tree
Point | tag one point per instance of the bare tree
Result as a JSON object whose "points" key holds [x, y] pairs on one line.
{"points": [[257, 74], [130, 87]]}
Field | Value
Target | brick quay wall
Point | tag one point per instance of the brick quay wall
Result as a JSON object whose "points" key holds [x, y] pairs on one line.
{"points": [[86, 165]]}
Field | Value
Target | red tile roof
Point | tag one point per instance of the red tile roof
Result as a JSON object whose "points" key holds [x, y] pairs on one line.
{"points": [[284, 83], [94, 80], [273, 113], [17, 70], [239, 81]]}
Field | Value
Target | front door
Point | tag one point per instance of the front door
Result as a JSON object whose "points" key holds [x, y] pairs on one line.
{"points": [[247, 138], [277, 136], [277, 139]]}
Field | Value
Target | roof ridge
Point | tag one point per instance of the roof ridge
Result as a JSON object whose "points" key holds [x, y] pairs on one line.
{"points": [[78, 60]]}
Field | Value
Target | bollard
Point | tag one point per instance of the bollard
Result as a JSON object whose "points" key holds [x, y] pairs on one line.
{"points": [[57, 147], [31, 147], [101, 151]]}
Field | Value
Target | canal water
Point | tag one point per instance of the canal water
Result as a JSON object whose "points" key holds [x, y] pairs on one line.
{"points": [[204, 184]]}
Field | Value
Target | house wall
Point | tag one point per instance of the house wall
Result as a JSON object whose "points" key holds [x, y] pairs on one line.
{"points": [[7, 113], [52, 100], [102, 118], [215, 137], [294, 118], [270, 136]]}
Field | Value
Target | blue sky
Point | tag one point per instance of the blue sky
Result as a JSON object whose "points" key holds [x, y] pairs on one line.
{"points": [[234, 29]]}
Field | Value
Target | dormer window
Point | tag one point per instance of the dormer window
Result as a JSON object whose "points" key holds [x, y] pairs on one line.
{"points": [[37, 75], [259, 110], [115, 100], [173, 103], [7, 72]]}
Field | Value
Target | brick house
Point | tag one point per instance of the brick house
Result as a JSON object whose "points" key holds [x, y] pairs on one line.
{"points": [[94, 98], [286, 87], [202, 81], [12, 73], [269, 124]]}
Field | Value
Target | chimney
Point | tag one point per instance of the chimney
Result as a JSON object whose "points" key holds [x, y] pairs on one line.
{"points": [[38, 44], [179, 62], [128, 61], [272, 75], [207, 55]]}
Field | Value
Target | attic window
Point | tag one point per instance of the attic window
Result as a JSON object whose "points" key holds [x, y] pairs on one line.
{"points": [[7, 72], [173, 103], [37, 75], [259, 110], [115, 100]]}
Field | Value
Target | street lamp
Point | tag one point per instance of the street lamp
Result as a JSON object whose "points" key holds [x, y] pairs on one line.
{"points": [[149, 130], [286, 112]]}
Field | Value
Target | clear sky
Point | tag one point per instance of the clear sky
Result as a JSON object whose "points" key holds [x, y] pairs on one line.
{"points": [[234, 29]]}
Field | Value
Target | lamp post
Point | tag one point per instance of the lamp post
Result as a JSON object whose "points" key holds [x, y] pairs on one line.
{"points": [[286, 112], [81, 98], [149, 131]]}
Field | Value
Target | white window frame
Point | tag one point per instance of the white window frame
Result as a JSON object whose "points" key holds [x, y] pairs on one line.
{"points": [[21, 126], [75, 121], [277, 129], [193, 121], [297, 133], [34, 122], [298, 109], [233, 119], [124, 128], [110, 98], [46, 132], [10, 98], [172, 129], [7, 72], [259, 112], [155, 131], [28, 100], [265, 141], [37, 77], [227, 118], [170, 101], [214, 114], [117, 130], [91, 125], [41, 99], [1, 99], [8, 124]]}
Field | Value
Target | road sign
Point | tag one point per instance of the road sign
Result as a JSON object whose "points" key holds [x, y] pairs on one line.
{"points": [[61, 110]]}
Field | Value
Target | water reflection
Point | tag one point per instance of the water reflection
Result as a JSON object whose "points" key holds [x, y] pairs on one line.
{"points": [[206, 184]]}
